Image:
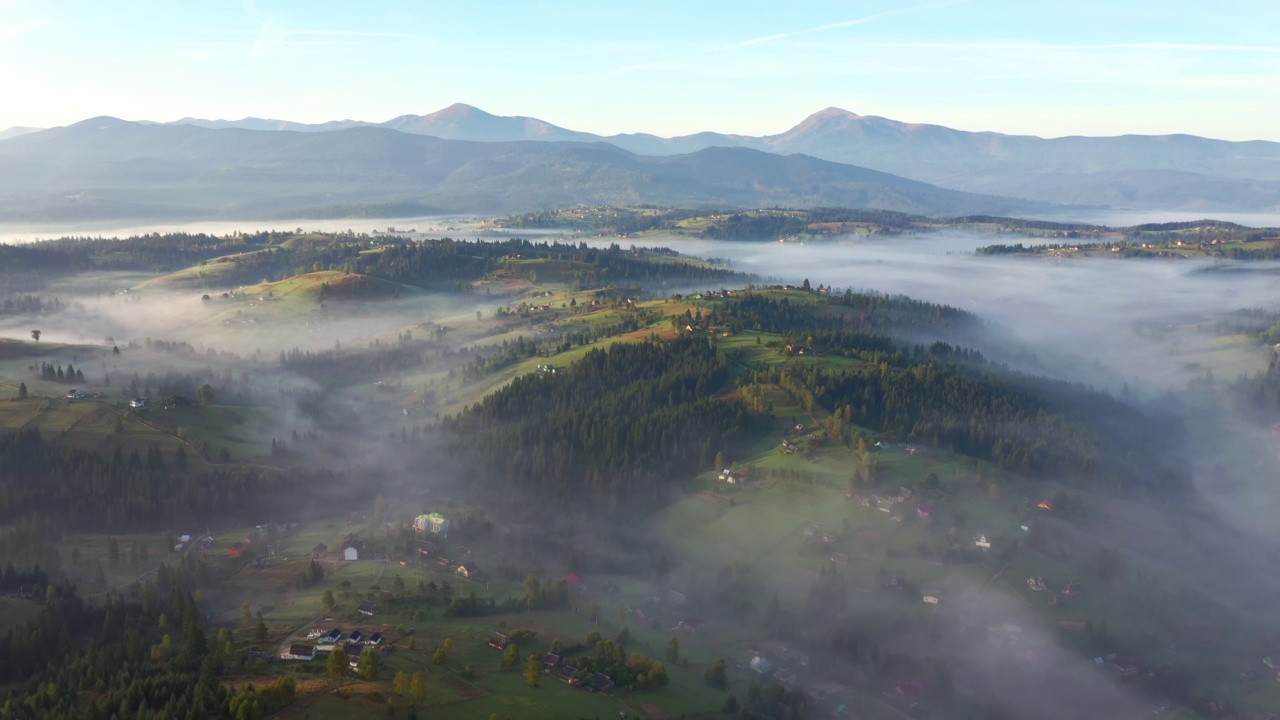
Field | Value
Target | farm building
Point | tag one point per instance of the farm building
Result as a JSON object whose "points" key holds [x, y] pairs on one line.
{"points": [[468, 570], [350, 553], [299, 652], [760, 666], [369, 607], [1037, 583], [930, 598], [550, 662], [982, 541], [498, 641], [319, 551]]}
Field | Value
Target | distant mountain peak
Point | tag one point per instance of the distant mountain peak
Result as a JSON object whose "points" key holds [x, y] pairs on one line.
{"points": [[834, 112], [459, 109]]}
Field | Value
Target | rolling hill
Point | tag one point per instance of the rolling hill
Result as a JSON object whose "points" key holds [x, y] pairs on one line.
{"points": [[1165, 172], [110, 168]]}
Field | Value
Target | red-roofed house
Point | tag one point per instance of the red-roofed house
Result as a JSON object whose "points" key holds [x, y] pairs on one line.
{"points": [[908, 691]]}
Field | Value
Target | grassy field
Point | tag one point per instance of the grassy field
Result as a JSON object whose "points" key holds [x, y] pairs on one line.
{"points": [[15, 612]]}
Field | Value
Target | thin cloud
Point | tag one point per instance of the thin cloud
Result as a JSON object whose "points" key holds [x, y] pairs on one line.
{"points": [[838, 25]]}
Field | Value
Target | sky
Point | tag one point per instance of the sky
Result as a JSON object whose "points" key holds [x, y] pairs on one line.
{"points": [[669, 67]]}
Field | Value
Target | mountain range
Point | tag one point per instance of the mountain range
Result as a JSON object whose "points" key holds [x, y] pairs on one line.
{"points": [[1168, 172], [108, 168], [462, 159]]}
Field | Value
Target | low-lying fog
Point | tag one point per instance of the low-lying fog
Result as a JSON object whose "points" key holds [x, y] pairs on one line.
{"points": [[432, 226], [1072, 312]]}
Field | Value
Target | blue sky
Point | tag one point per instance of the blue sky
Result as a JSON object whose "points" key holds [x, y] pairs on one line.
{"points": [[670, 67]]}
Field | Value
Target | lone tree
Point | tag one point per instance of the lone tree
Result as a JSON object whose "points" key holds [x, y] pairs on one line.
{"points": [[333, 667], [418, 688], [715, 674], [205, 394], [533, 672], [510, 657], [369, 665], [35, 335], [22, 391]]}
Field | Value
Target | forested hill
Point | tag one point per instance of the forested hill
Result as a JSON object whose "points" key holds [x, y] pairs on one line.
{"points": [[636, 420], [624, 423], [251, 257]]}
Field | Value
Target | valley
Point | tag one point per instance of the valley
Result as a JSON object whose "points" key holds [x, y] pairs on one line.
{"points": [[786, 496]]}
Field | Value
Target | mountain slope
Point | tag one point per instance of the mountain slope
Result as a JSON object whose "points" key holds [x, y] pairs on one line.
{"points": [[1181, 171], [1167, 171], [106, 167], [16, 131]]}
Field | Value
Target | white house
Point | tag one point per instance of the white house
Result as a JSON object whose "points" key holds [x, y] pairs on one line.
{"points": [[930, 597], [350, 554], [982, 541]]}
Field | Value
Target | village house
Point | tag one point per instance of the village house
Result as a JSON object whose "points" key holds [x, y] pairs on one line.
{"points": [[368, 607], [733, 478], [599, 682], [299, 652], [468, 570], [355, 637], [374, 639], [760, 666], [1037, 584], [566, 674], [434, 523], [930, 598], [350, 553], [498, 641], [982, 541], [908, 692], [319, 551], [550, 661]]}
